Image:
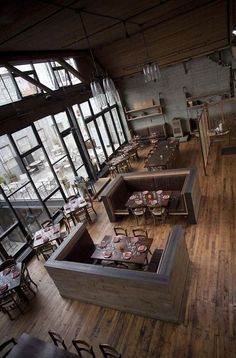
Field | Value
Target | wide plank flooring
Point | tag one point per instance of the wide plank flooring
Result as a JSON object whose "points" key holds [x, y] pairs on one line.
{"points": [[209, 325]]}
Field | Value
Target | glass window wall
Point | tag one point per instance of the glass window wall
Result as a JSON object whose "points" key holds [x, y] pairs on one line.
{"points": [[96, 142], [112, 130]]}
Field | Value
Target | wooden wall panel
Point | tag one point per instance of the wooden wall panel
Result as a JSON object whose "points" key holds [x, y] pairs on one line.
{"points": [[191, 34]]}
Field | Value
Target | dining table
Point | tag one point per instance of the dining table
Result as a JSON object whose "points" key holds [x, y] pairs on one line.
{"points": [[163, 155], [158, 198], [10, 278], [31, 347], [123, 249], [46, 235]]}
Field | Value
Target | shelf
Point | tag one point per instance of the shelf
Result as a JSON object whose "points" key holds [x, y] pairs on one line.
{"points": [[142, 109], [145, 116], [208, 95]]}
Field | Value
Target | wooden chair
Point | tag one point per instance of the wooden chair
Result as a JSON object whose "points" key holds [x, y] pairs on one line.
{"points": [[10, 302], [80, 215], [64, 228], [57, 340], [26, 281], [7, 263], [120, 231], [157, 213], [46, 250], [138, 232], [6, 347], [89, 206], [138, 213], [82, 346], [109, 351], [30, 242], [46, 223]]}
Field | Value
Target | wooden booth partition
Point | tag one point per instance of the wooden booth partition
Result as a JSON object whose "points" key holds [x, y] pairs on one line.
{"points": [[156, 295]]}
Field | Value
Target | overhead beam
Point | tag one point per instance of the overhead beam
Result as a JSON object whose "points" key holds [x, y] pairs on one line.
{"points": [[71, 69], [17, 72], [11, 56]]}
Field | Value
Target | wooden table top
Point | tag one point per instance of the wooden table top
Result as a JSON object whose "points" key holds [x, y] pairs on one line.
{"points": [[118, 160], [149, 198], [8, 276], [162, 155], [72, 205], [117, 249], [28, 346], [50, 232]]}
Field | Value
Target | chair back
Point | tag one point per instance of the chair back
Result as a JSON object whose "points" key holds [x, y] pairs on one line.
{"points": [[46, 223], [140, 232], [57, 340], [83, 346], [109, 351], [120, 231], [6, 347], [7, 263]]}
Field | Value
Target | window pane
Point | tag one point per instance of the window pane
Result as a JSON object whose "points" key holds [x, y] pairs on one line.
{"points": [[118, 125], [55, 203], [92, 155], [24, 67], [82, 172], [11, 173], [28, 208], [62, 77], [41, 173], [62, 121], [7, 88], [65, 175], [96, 142], [7, 216], [85, 109], [25, 139], [80, 121], [73, 150], [13, 242], [112, 130], [104, 135], [94, 107], [45, 75], [50, 138], [74, 79], [26, 88]]}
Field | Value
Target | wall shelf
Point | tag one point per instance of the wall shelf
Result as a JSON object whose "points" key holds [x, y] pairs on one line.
{"points": [[144, 116], [142, 109]]}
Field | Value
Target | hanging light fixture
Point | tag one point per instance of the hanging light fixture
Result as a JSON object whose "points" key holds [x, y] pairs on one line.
{"points": [[151, 70], [97, 91], [111, 94]]}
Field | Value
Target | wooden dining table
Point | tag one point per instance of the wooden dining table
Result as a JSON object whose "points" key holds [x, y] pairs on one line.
{"points": [[30, 347], [10, 278], [149, 198], [74, 204], [162, 155], [117, 246], [46, 235]]}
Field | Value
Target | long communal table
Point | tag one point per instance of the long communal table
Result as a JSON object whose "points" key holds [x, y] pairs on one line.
{"points": [[163, 155]]}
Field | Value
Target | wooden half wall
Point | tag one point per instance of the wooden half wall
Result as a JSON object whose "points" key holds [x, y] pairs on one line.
{"points": [[156, 295]]}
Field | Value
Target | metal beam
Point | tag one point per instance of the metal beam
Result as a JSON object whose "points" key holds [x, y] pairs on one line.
{"points": [[17, 72], [71, 69]]}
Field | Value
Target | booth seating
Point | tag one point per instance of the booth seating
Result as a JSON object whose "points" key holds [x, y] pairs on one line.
{"points": [[184, 184], [149, 133], [158, 292]]}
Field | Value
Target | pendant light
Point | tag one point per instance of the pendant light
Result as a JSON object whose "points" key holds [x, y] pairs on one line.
{"points": [[151, 70]]}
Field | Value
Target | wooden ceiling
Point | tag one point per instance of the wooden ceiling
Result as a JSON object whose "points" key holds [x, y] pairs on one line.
{"points": [[173, 30]]}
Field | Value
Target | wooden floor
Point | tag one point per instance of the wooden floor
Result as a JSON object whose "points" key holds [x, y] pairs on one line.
{"points": [[209, 326]]}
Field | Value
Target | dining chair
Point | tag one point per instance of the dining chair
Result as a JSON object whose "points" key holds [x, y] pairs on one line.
{"points": [[138, 232], [26, 281], [80, 215], [109, 351], [57, 340], [83, 346], [9, 302], [89, 205], [46, 250], [7, 263], [46, 223], [157, 213], [30, 242], [139, 213], [64, 228], [120, 231], [6, 347]]}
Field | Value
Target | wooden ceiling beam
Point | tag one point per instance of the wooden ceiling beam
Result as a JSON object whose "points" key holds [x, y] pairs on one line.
{"points": [[17, 72], [26, 56], [71, 69]]}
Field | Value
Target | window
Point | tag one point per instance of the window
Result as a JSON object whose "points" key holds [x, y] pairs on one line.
{"points": [[62, 121], [24, 144], [6, 153], [45, 75]]}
